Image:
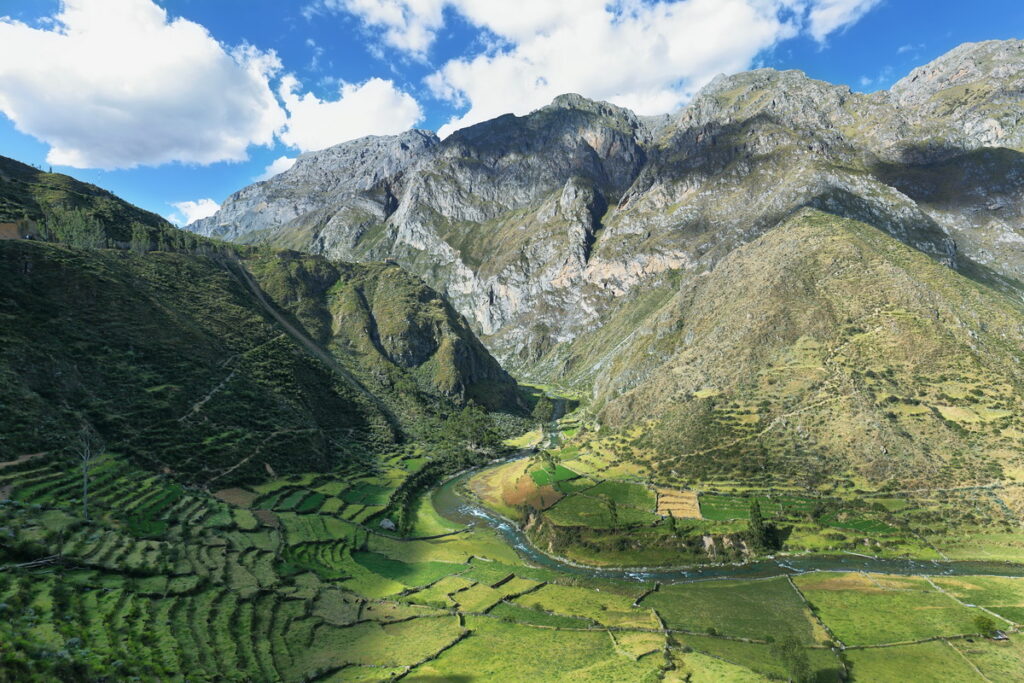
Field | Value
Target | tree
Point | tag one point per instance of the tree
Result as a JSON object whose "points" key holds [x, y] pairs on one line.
{"points": [[470, 427], [544, 410], [757, 529], [613, 510], [985, 625], [86, 448], [790, 651], [550, 463], [140, 238]]}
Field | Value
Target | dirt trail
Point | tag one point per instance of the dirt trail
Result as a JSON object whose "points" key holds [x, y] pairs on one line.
{"points": [[238, 269], [20, 459]]}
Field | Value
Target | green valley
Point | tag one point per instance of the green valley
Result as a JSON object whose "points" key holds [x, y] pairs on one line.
{"points": [[735, 394]]}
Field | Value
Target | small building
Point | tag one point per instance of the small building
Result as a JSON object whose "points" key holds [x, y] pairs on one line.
{"points": [[22, 229]]}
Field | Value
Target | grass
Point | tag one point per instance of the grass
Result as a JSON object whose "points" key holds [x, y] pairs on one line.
{"points": [[751, 609], [545, 477], [859, 612], [605, 608], [934, 661], [399, 644], [426, 520], [540, 654], [1000, 595], [409, 574], [697, 667], [997, 661]]}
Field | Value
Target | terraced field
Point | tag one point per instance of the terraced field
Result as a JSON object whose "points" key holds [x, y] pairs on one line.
{"points": [[166, 582]]}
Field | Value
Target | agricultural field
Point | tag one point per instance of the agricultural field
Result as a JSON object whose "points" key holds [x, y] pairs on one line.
{"points": [[749, 609], [177, 580], [861, 611], [679, 504]]}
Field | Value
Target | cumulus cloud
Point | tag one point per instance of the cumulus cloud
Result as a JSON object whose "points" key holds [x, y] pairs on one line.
{"points": [[650, 56], [192, 211], [374, 107], [116, 84], [827, 16], [409, 25], [276, 167]]}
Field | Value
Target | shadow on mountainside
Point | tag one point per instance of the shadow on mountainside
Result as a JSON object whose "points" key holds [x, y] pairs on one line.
{"points": [[956, 178]]}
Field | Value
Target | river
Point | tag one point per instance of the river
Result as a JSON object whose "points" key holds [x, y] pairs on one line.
{"points": [[452, 504]]}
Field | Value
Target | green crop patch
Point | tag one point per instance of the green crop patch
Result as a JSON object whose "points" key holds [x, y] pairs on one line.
{"points": [[748, 609], [511, 612], [411, 574], [311, 503], [582, 509], [625, 494], [544, 476], [722, 507], [365, 493], [867, 526], [860, 612]]}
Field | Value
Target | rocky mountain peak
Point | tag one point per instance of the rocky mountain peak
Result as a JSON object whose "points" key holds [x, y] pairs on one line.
{"points": [[976, 88], [539, 227]]}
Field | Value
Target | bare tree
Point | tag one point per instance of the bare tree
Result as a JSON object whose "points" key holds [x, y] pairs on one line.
{"points": [[86, 448]]}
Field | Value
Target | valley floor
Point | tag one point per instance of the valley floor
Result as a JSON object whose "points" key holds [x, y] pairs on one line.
{"points": [[294, 579]]}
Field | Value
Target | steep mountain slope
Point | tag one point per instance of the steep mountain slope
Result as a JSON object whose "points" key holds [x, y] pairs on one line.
{"points": [[539, 227], [824, 349], [386, 327], [184, 363]]}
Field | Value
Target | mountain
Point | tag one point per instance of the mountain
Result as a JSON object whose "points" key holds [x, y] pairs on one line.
{"points": [[216, 363], [542, 228], [70, 210], [825, 350]]}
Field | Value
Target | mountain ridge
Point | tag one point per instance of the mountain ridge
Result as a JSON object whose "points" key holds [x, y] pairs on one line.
{"points": [[580, 201]]}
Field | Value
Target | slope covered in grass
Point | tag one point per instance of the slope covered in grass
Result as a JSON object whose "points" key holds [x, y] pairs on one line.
{"points": [[826, 348]]}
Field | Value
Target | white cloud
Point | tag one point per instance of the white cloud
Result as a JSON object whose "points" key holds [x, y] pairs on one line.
{"points": [[116, 84], [409, 25], [650, 56], [827, 16], [375, 107], [276, 167], [191, 211]]}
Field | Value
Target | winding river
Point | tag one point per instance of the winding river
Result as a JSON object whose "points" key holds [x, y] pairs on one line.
{"points": [[452, 504]]}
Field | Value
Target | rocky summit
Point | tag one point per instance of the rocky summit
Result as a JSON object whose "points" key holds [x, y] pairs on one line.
{"points": [[539, 227], [497, 407]]}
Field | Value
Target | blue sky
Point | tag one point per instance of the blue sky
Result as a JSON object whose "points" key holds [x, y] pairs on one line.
{"points": [[182, 102]]}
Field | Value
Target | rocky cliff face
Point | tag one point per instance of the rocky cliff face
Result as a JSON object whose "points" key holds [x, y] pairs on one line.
{"points": [[540, 229]]}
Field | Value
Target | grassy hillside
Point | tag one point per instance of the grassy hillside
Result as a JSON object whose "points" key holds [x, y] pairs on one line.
{"points": [[387, 327], [185, 364], [825, 349], [59, 203], [168, 357]]}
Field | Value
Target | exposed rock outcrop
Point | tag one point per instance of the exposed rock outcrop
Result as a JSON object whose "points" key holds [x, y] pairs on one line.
{"points": [[539, 228]]}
